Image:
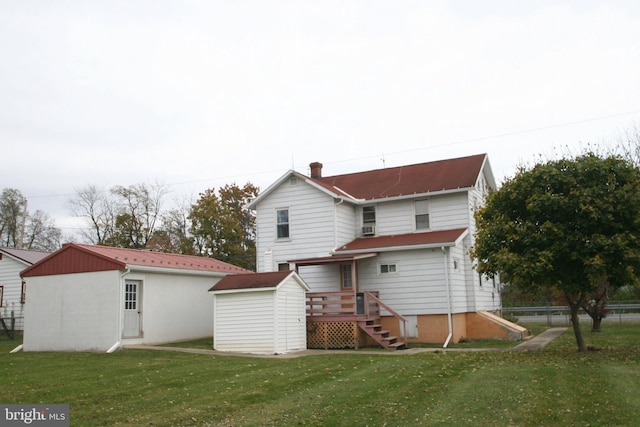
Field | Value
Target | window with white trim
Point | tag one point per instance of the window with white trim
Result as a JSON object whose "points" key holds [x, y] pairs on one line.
{"points": [[369, 215], [346, 278], [388, 268], [421, 208], [282, 223]]}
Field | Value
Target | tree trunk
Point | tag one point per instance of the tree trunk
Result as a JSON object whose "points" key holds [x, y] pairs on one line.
{"points": [[575, 321], [595, 324]]}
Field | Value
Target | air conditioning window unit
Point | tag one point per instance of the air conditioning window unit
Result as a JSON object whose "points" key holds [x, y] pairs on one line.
{"points": [[369, 230]]}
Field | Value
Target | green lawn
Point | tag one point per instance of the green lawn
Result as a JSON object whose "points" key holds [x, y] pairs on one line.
{"points": [[553, 386]]}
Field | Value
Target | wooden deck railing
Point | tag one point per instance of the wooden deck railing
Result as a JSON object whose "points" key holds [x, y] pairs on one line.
{"points": [[331, 304], [402, 321], [343, 306]]}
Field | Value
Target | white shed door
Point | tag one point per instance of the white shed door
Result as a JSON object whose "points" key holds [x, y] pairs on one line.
{"points": [[131, 327]]}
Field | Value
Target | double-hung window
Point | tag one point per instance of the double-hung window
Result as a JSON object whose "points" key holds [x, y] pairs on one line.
{"points": [[282, 223], [369, 215], [421, 208]]}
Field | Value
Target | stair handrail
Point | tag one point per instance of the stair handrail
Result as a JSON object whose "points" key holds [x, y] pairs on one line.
{"points": [[395, 314]]}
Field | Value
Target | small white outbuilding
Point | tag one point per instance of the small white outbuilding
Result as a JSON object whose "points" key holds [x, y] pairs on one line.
{"points": [[262, 313]]}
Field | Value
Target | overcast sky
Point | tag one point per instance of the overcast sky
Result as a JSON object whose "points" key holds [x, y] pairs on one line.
{"points": [[199, 94]]}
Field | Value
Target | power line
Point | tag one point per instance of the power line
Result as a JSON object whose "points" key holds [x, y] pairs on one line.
{"points": [[448, 144]]}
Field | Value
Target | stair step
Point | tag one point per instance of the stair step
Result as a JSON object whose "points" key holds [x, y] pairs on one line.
{"points": [[397, 346], [381, 332]]}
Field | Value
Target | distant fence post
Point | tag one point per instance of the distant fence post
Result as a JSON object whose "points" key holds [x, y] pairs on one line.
{"points": [[548, 313]]}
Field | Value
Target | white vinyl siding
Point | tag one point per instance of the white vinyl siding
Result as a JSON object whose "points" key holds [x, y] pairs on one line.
{"points": [[446, 211], [246, 334], [311, 224], [10, 269], [417, 287]]}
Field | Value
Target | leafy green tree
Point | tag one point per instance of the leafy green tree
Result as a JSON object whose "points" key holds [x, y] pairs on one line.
{"points": [[572, 223], [223, 227]]}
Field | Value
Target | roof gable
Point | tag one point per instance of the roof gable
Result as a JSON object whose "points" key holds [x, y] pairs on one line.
{"points": [[72, 259], [420, 178], [77, 258]]}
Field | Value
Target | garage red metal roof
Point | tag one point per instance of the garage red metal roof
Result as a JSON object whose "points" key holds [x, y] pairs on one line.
{"points": [[420, 178], [430, 238], [78, 258]]}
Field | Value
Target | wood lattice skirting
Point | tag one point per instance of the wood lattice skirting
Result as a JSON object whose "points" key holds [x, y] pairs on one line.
{"points": [[336, 335]]}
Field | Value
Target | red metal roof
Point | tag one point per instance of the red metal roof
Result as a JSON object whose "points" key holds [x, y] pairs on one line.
{"points": [[430, 238], [77, 258], [420, 178], [251, 281]]}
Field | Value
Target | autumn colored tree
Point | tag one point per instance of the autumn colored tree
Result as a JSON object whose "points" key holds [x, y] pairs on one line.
{"points": [[223, 227], [572, 224]]}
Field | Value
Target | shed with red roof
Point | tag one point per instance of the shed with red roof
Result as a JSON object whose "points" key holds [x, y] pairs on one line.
{"points": [[98, 298], [262, 313]]}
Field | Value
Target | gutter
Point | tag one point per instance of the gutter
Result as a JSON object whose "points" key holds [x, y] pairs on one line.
{"points": [[335, 221], [448, 288], [181, 271]]}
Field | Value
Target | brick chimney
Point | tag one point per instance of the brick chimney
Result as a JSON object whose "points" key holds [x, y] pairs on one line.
{"points": [[316, 170]]}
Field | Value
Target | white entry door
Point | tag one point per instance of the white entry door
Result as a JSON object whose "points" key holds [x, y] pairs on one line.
{"points": [[132, 309]]}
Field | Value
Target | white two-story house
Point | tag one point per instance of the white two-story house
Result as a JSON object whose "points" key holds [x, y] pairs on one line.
{"points": [[392, 242]]}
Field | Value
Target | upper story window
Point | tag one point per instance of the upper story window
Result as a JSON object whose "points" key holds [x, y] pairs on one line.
{"points": [[421, 208], [369, 215], [282, 223]]}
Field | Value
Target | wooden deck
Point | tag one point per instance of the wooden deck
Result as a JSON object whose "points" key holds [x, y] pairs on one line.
{"points": [[349, 320]]}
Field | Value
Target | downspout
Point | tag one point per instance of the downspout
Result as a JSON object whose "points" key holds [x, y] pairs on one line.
{"points": [[118, 342], [335, 222], [448, 288]]}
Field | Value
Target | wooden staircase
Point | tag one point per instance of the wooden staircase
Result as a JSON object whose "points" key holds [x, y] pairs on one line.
{"points": [[373, 328]]}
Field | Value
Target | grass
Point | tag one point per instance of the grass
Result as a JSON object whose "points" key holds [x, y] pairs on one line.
{"points": [[552, 386]]}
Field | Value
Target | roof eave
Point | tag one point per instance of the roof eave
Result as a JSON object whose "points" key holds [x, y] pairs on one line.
{"points": [[435, 245], [415, 195], [243, 290], [179, 271], [397, 248]]}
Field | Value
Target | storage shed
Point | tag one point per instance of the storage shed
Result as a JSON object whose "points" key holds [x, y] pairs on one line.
{"points": [[98, 298], [262, 313]]}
